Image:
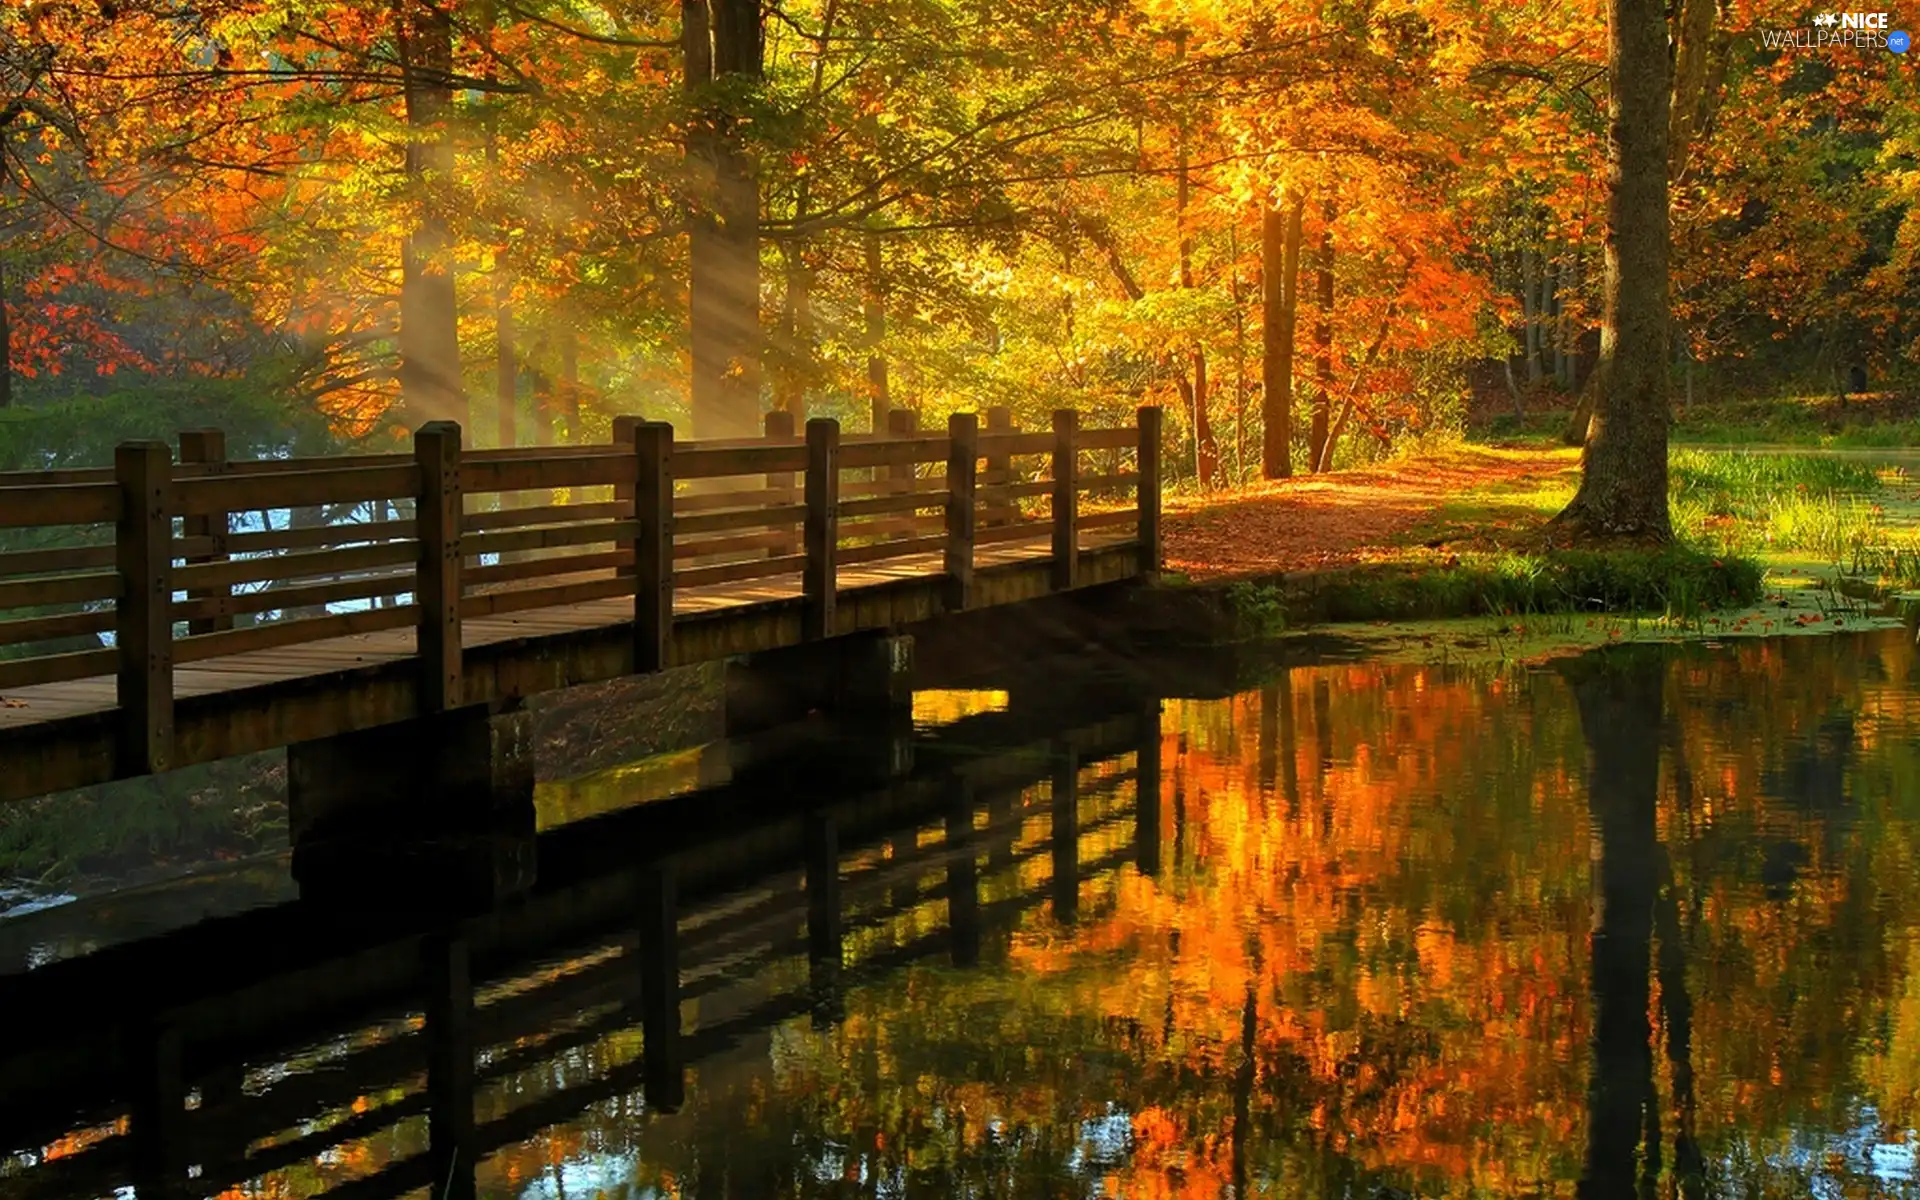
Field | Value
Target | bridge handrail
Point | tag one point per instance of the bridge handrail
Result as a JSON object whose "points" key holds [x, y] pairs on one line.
{"points": [[453, 535]]}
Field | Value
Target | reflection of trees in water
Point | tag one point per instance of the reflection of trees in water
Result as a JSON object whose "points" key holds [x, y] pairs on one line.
{"points": [[1377, 965]]}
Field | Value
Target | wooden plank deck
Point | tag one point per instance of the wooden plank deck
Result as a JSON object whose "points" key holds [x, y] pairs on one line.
{"points": [[42, 703]]}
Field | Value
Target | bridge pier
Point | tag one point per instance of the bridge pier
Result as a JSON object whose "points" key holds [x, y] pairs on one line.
{"points": [[434, 811], [862, 674]]}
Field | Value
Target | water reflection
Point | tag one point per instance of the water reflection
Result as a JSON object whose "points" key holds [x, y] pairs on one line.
{"points": [[1634, 925]]}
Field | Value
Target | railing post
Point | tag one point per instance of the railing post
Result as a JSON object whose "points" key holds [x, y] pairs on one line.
{"points": [[901, 423], [963, 462], [780, 430], [1066, 498], [823, 527], [143, 617], [653, 545], [207, 448], [436, 592], [623, 427], [1147, 491], [999, 470]]}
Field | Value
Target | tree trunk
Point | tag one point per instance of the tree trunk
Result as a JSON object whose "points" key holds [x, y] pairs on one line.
{"points": [[1530, 313], [1280, 270], [430, 386], [6, 346], [1557, 317], [542, 407], [879, 401], [1575, 279], [570, 379], [721, 41], [1239, 362], [1322, 342], [506, 378], [1206, 452], [796, 334], [1623, 483]]}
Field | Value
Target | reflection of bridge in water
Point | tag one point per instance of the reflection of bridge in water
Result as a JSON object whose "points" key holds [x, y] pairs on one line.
{"points": [[191, 1062]]}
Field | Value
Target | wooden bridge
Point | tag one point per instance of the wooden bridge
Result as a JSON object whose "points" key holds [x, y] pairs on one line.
{"points": [[165, 613]]}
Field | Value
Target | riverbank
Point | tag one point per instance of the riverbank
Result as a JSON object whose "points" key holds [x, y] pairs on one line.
{"points": [[1768, 543]]}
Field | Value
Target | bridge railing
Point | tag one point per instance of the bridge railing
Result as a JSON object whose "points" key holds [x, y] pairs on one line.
{"points": [[153, 564]]}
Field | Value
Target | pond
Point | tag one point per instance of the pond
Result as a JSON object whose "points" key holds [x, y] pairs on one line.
{"points": [[1642, 919]]}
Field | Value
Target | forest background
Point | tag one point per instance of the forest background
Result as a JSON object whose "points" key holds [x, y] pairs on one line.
{"points": [[1306, 228]]}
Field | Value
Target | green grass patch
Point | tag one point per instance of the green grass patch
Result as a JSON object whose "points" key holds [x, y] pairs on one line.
{"points": [[1676, 581]]}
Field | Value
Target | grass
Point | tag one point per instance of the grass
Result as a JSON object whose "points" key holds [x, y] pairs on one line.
{"points": [[1678, 581]]}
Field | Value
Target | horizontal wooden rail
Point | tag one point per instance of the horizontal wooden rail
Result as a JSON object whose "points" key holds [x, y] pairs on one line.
{"points": [[197, 570], [59, 504], [1000, 445], [294, 488]]}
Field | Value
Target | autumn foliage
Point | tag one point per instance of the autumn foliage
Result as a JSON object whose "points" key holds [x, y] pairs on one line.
{"points": [[930, 206]]}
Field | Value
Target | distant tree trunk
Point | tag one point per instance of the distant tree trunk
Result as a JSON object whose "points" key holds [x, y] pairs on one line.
{"points": [[796, 334], [569, 339], [1317, 454], [430, 386], [1206, 451], [1239, 364], [1700, 56], [879, 401], [1575, 280], [6, 346], [1560, 286], [721, 41], [542, 407], [506, 369], [506, 378], [1280, 270], [1623, 482], [796, 306], [1530, 313]]}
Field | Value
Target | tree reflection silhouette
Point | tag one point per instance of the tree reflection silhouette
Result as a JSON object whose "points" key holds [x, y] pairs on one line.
{"points": [[1621, 699]]}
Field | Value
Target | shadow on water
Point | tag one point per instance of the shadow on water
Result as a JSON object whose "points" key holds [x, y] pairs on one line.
{"points": [[1637, 924]]}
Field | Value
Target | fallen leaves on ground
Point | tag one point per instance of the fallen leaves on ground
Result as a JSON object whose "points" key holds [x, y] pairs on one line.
{"points": [[1335, 519]]}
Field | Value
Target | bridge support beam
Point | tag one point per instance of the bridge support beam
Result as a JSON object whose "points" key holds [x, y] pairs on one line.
{"points": [[436, 812], [860, 675]]}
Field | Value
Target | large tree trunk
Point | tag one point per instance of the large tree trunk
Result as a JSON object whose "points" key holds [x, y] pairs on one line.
{"points": [[1280, 269], [721, 40], [1623, 483], [430, 386], [1322, 343]]}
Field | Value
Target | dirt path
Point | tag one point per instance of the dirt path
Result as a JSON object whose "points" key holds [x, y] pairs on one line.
{"points": [[1333, 519]]}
